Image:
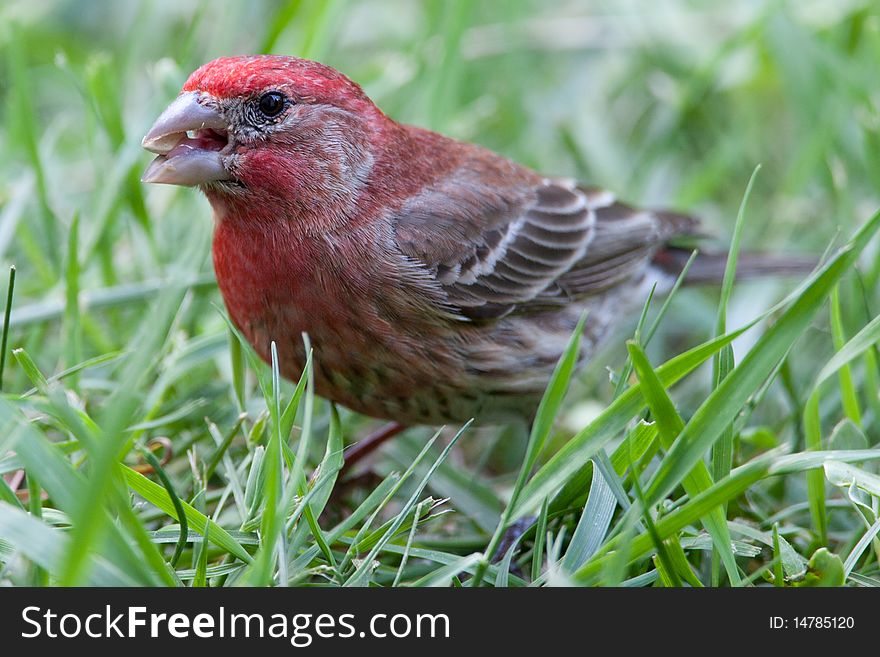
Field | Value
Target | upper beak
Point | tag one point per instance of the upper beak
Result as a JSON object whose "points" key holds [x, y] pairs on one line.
{"points": [[185, 160]]}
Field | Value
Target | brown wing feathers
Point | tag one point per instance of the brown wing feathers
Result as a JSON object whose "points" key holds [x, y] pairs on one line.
{"points": [[544, 242], [626, 239], [559, 243]]}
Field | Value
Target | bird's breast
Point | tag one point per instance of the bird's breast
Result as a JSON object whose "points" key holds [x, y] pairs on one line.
{"points": [[277, 286], [371, 352]]}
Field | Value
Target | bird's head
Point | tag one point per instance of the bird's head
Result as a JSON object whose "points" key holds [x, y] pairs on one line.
{"points": [[259, 124]]}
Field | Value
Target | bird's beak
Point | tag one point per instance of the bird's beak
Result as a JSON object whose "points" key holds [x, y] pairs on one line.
{"points": [[189, 138]]}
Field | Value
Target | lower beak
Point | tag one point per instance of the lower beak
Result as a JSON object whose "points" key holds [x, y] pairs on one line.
{"points": [[183, 159]]}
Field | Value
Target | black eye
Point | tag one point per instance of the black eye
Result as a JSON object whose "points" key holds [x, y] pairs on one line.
{"points": [[271, 103]]}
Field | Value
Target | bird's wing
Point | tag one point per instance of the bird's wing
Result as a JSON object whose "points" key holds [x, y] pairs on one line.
{"points": [[495, 252]]}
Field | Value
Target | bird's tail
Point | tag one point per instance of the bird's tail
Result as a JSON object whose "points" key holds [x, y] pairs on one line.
{"points": [[708, 268]]}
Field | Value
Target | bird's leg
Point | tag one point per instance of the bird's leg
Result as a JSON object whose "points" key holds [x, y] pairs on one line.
{"points": [[356, 452]]}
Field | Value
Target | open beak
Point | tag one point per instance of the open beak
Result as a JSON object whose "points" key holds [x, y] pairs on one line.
{"points": [[189, 139]]}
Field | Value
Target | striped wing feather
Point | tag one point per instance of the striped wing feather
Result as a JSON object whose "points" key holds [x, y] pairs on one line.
{"points": [[559, 243]]}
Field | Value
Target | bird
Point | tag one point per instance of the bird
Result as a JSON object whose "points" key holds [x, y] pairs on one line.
{"points": [[438, 281]]}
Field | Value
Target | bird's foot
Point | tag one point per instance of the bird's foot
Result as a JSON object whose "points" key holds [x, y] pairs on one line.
{"points": [[512, 535]]}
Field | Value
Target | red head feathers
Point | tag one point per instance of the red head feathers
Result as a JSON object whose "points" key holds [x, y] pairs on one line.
{"points": [[230, 77]]}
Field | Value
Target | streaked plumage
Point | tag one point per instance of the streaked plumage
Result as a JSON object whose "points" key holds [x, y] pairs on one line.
{"points": [[438, 281]]}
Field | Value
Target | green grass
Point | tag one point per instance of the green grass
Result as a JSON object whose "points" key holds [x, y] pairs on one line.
{"points": [[735, 442]]}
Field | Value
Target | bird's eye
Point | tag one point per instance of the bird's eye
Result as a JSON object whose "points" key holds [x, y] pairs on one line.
{"points": [[271, 103]]}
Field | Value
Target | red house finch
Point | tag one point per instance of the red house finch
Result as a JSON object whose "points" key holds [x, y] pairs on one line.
{"points": [[438, 281]]}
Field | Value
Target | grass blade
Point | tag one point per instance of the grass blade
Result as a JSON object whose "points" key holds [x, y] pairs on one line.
{"points": [[670, 426], [722, 406], [541, 426]]}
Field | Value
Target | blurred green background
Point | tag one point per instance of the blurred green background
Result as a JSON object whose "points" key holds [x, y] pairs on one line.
{"points": [[669, 103]]}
